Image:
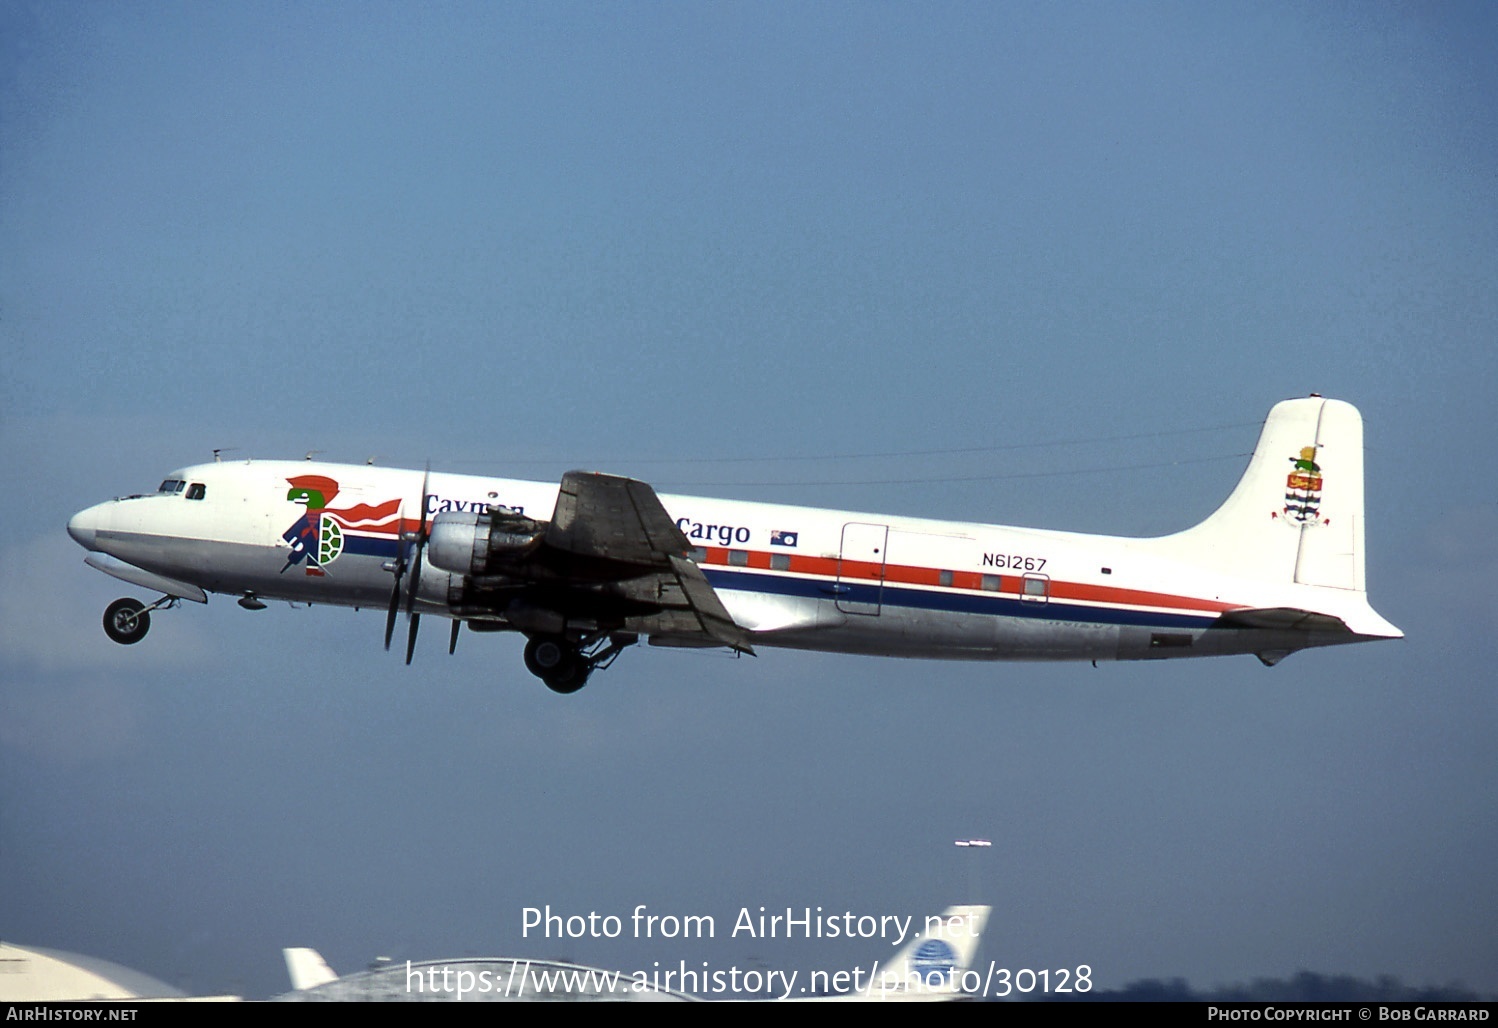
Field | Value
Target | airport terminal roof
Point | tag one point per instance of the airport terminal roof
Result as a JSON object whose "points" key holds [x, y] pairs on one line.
{"points": [[485, 979], [32, 974]]}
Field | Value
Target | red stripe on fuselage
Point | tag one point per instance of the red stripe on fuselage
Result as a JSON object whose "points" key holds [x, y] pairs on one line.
{"points": [[971, 581]]}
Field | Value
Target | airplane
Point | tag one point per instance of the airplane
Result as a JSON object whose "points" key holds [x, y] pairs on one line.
{"points": [[590, 566], [935, 964]]}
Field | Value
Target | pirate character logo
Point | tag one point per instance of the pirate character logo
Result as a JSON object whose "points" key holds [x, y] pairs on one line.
{"points": [[316, 538], [321, 533], [1303, 489]]}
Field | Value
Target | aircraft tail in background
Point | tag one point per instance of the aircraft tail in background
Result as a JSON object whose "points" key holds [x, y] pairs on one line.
{"points": [[931, 965], [307, 968]]}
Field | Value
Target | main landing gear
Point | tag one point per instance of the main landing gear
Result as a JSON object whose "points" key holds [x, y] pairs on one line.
{"points": [[564, 665], [127, 621]]}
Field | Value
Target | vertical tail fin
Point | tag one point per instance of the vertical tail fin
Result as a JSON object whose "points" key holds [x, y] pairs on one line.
{"points": [[307, 968], [1296, 516], [930, 965]]}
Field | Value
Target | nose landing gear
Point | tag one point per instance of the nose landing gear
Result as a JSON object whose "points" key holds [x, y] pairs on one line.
{"points": [[127, 621]]}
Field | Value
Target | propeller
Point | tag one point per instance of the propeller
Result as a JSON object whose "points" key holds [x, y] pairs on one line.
{"points": [[416, 541], [399, 568]]}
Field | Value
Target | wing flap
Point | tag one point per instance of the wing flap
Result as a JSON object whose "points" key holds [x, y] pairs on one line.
{"points": [[704, 601]]}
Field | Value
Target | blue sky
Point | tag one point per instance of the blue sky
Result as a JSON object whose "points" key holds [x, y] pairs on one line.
{"points": [[1090, 244]]}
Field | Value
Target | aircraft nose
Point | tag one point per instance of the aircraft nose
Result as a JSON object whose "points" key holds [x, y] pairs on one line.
{"points": [[84, 526]]}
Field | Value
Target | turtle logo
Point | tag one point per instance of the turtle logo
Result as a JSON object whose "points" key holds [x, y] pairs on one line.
{"points": [[1303, 489]]}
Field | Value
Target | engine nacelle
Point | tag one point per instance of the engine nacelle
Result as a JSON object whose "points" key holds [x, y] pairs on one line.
{"points": [[469, 543]]}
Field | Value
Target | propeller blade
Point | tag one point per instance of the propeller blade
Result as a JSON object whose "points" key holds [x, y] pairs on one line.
{"points": [[452, 640], [411, 637], [421, 542], [398, 570], [426, 477], [395, 606], [415, 580]]}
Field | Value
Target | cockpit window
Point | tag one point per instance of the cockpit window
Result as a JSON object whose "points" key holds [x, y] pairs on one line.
{"points": [[172, 485], [197, 491]]}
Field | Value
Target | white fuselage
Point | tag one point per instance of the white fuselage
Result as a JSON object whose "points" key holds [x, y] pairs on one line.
{"points": [[790, 576]]}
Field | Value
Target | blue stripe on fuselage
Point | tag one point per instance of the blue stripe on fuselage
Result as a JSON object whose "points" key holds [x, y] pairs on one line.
{"points": [[370, 545], [887, 595]]}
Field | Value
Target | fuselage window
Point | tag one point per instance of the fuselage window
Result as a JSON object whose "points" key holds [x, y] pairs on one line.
{"points": [[780, 561], [944, 578], [738, 558], [1037, 587], [991, 583], [197, 491]]}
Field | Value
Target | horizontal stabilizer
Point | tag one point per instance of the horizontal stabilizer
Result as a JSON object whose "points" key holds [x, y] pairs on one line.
{"points": [[1286, 618]]}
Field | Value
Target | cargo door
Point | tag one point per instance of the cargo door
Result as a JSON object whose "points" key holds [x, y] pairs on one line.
{"points": [[860, 568]]}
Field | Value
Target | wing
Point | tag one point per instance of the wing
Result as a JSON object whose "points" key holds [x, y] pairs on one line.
{"points": [[614, 519], [612, 554]]}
